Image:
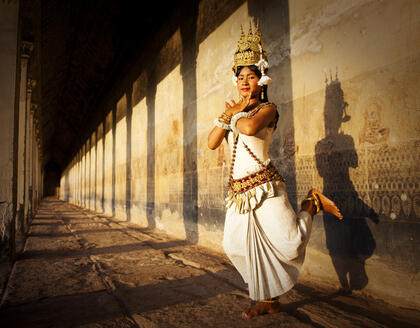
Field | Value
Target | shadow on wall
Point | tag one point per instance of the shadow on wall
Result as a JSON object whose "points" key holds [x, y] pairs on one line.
{"points": [[150, 205], [274, 22], [189, 115], [350, 241]]}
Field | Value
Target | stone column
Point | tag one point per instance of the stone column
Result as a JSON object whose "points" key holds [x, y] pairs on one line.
{"points": [[38, 164], [26, 49], [28, 154], [32, 145], [35, 162]]}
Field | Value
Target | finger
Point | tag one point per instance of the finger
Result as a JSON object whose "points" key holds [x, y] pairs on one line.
{"points": [[227, 105], [248, 99]]}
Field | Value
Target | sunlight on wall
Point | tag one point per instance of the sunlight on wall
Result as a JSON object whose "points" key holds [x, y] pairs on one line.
{"points": [[84, 178], [92, 173], [88, 170], [139, 163], [121, 158], [108, 165], [99, 167], [349, 40], [79, 178], [169, 151]]}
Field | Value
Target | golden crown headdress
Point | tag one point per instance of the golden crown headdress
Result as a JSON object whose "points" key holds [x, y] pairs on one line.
{"points": [[250, 51]]}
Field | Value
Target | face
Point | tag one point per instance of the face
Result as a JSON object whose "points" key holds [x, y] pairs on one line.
{"points": [[248, 83]]}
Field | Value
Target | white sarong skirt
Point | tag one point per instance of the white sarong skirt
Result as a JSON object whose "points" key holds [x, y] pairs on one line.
{"points": [[267, 243]]}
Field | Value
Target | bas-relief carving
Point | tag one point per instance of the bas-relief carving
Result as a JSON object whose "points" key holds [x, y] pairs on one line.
{"points": [[373, 131]]}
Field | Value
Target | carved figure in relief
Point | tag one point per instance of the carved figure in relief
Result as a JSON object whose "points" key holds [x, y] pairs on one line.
{"points": [[263, 236], [373, 132], [350, 241]]}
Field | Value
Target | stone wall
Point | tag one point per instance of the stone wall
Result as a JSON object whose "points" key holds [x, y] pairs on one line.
{"points": [[345, 79], [8, 54], [20, 156]]}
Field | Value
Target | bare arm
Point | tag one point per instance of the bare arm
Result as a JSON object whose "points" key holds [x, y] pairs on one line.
{"points": [[251, 126], [215, 137]]}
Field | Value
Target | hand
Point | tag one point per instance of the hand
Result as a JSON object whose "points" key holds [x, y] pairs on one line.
{"points": [[234, 108]]}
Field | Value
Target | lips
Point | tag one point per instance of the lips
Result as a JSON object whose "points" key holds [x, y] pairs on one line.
{"points": [[245, 89]]}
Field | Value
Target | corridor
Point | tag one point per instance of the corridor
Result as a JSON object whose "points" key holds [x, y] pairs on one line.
{"points": [[79, 269]]}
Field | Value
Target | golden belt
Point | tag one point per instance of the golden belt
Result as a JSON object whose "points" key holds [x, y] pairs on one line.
{"points": [[268, 173]]}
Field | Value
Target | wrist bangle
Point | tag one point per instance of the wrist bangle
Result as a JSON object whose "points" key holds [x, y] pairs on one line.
{"points": [[221, 125], [225, 118], [235, 119]]}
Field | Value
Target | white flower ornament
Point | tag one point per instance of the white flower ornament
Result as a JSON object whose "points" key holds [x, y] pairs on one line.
{"points": [[235, 80]]}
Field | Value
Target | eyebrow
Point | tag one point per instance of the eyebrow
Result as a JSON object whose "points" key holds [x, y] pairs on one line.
{"points": [[242, 74]]}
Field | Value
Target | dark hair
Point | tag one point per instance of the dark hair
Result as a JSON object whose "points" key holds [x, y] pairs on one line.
{"points": [[257, 73]]}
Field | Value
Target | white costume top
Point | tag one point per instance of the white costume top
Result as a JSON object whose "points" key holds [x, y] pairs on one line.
{"points": [[263, 237], [259, 144]]}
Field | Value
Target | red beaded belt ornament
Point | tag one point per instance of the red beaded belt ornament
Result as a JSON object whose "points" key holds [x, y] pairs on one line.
{"points": [[267, 173]]}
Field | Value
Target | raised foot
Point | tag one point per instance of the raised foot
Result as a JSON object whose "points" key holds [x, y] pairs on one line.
{"points": [[327, 204], [260, 309]]}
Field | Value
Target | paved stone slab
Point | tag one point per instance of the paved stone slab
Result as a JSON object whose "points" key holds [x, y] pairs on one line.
{"points": [[32, 280], [98, 309], [87, 270]]}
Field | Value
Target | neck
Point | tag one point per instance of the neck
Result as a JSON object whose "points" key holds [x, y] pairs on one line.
{"points": [[254, 101], [252, 105]]}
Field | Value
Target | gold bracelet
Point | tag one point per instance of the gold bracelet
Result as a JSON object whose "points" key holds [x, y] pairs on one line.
{"points": [[225, 118], [222, 120]]}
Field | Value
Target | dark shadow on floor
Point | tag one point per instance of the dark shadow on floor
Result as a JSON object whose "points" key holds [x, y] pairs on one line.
{"points": [[343, 300], [116, 249], [66, 311]]}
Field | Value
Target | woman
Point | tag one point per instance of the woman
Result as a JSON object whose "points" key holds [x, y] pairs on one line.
{"points": [[263, 236]]}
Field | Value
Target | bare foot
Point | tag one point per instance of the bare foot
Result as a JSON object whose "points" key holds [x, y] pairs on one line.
{"points": [[260, 309], [327, 204]]}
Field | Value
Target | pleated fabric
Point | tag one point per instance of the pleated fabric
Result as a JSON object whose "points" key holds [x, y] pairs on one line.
{"points": [[266, 242], [267, 245]]}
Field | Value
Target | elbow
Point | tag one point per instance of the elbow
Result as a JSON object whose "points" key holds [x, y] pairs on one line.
{"points": [[211, 146], [248, 130]]}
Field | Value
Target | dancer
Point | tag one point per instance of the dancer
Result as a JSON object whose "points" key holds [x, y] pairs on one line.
{"points": [[263, 236]]}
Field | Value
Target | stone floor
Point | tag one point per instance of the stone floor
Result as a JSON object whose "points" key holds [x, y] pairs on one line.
{"points": [[79, 269]]}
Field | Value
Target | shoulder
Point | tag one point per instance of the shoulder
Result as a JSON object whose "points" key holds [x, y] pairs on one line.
{"points": [[265, 107]]}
